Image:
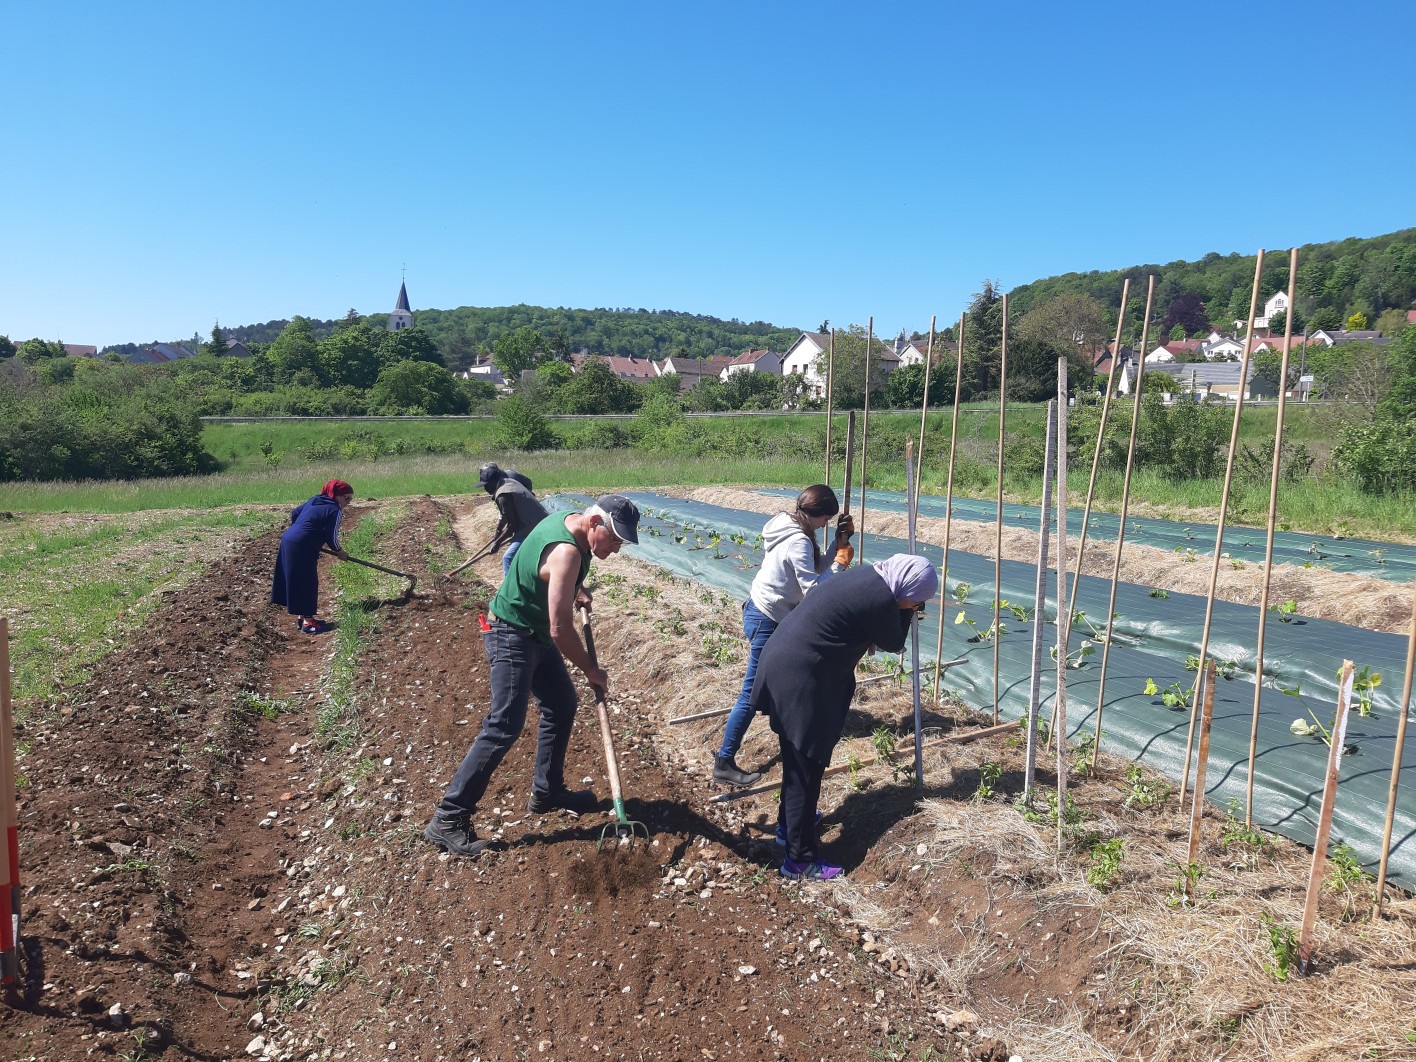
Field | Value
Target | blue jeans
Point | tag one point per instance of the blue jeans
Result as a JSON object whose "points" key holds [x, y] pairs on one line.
{"points": [[506, 557], [757, 627], [521, 666]]}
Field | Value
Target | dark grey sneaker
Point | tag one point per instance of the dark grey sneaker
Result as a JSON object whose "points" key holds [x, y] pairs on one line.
{"points": [[576, 801], [726, 771], [454, 836]]}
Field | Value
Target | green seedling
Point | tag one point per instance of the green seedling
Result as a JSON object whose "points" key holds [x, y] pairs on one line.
{"points": [[1172, 696], [1345, 870], [1235, 832], [1141, 793], [989, 775], [1105, 863], [1283, 944], [1157, 592], [1363, 683], [1284, 611]]}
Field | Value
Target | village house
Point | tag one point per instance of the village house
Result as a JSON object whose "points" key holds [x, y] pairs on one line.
{"points": [[767, 361], [691, 370]]}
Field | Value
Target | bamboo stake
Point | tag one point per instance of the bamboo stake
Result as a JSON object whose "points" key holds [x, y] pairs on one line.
{"points": [[830, 378], [850, 458], [952, 739], [9, 843], [864, 439], [924, 405], [1121, 529], [998, 530], [830, 375], [1040, 598], [1100, 437], [949, 510], [1223, 514], [1268, 541], [1064, 611], [1197, 801], [1334, 767], [912, 503], [1403, 708]]}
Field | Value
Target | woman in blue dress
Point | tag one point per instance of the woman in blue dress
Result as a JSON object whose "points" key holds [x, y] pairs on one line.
{"points": [[313, 525]]}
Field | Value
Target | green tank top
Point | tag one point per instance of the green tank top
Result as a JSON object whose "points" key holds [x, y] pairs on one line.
{"points": [[524, 597]]}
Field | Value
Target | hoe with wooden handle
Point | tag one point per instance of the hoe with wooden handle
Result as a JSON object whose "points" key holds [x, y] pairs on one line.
{"points": [[623, 825]]}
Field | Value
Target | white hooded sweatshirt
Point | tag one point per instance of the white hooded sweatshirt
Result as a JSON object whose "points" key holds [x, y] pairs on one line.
{"points": [[787, 572]]}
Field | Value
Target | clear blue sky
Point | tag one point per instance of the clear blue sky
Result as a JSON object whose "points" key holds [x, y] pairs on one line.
{"points": [[171, 164]]}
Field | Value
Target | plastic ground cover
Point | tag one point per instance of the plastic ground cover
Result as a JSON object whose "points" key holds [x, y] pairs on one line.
{"points": [[1379, 560], [1152, 638]]}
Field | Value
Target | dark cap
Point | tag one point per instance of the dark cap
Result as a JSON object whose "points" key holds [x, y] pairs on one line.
{"points": [[622, 516], [490, 475]]}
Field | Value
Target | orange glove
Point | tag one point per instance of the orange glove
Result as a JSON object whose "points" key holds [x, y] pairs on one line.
{"points": [[845, 555]]}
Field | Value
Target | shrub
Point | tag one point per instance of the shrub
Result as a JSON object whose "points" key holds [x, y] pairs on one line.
{"points": [[520, 426]]}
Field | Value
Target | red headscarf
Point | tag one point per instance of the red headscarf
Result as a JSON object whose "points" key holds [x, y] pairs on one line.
{"points": [[336, 486]]}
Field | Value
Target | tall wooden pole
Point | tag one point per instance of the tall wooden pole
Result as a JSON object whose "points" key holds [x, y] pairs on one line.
{"points": [[1320, 841], [949, 510], [1044, 528], [9, 843], [1402, 709], [1268, 540], [911, 506], [850, 462], [1223, 515], [924, 407], [998, 530], [1197, 801], [1064, 610], [1100, 438], [1121, 528], [830, 379], [864, 440]]}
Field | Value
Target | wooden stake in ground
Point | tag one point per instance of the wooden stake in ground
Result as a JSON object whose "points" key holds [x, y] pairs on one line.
{"points": [[1268, 541], [1101, 436], [998, 531], [830, 378], [952, 739], [9, 844], [864, 440], [1044, 529], [1334, 767], [1402, 709], [911, 504], [1121, 527], [948, 512], [1064, 608], [1223, 515], [924, 406], [1197, 802], [850, 460]]}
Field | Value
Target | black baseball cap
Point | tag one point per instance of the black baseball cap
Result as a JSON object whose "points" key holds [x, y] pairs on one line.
{"points": [[622, 516]]}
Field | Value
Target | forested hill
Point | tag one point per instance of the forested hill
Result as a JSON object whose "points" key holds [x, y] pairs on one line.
{"points": [[463, 333], [1372, 277]]}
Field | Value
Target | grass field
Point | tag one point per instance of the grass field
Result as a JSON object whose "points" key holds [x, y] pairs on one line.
{"points": [[281, 463]]}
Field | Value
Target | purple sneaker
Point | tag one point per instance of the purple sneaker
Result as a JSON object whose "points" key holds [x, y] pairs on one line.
{"points": [[809, 871], [782, 832]]}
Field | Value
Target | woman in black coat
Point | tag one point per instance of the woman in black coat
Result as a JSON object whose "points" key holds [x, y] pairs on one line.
{"points": [[806, 679], [314, 525]]}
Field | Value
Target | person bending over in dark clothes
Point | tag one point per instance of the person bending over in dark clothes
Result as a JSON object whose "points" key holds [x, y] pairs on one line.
{"points": [[313, 525], [806, 679]]}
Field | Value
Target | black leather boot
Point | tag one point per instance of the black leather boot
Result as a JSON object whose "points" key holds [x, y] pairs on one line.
{"points": [[726, 771]]}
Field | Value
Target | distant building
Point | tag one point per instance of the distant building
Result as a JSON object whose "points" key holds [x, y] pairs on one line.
{"points": [[766, 361], [79, 350], [691, 370], [157, 353], [402, 316]]}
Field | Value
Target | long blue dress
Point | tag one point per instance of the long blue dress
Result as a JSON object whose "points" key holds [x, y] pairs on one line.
{"points": [[296, 582]]}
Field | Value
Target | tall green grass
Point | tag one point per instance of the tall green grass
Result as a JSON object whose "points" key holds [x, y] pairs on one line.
{"points": [[72, 589]]}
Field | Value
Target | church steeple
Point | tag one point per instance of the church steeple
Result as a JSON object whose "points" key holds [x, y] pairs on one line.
{"points": [[402, 316]]}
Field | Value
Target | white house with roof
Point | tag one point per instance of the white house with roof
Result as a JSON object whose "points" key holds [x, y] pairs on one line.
{"points": [[801, 360], [768, 361], [1277, 303], [911, 351]]}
